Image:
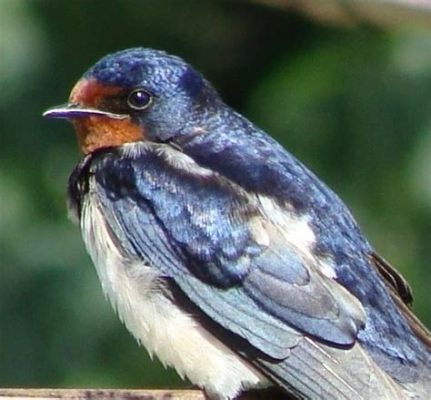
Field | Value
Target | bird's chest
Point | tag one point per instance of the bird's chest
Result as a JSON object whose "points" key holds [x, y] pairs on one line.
{"points": [[132, 286], [136, 292]]}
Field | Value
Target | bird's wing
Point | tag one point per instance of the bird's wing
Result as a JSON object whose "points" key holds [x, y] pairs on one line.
{"points": [[214, 240], [229, 257], [402, 295]]}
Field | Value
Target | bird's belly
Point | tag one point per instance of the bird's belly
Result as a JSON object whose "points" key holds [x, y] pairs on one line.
{"points": [[175, 337]]}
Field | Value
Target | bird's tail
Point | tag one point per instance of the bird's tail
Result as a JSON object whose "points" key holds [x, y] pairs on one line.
{"points": [[316, 371]]}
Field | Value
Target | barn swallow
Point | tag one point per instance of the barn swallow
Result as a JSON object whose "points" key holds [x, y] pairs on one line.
{"points": [[222, 253]]}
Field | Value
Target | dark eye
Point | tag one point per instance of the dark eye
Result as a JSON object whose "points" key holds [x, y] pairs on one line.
{"points": [[139, 99]]}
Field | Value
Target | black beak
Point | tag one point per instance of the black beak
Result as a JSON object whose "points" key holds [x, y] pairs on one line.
{"points": [[71, 111]]}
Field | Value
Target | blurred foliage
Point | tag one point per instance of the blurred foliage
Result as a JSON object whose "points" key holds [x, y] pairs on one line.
{"points": [[354, 105]]}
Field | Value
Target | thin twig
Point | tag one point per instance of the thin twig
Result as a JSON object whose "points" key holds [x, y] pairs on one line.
{"points": [[93, 394]]}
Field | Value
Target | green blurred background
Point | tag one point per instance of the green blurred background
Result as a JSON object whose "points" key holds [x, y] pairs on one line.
{"points": [[353, 104]]}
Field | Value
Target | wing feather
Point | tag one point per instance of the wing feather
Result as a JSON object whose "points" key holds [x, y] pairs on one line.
{"points": [[198, 228]]}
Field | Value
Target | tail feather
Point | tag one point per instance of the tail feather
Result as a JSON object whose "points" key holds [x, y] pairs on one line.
{"points": [[318, 371]]}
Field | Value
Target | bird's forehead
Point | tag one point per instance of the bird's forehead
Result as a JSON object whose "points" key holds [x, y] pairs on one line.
{"points": [[90, 92]]}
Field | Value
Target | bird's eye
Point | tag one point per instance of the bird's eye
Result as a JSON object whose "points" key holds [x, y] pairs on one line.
{"points": [[139, 99]]}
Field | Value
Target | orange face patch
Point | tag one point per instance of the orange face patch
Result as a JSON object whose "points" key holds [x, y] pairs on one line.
{"points": [[97, 131]]}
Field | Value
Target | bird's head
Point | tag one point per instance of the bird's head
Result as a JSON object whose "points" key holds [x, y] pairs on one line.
{"points": [[137, 94]]}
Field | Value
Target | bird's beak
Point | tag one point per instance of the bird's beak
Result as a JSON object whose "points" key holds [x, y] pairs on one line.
{"points": [[73, 111]]}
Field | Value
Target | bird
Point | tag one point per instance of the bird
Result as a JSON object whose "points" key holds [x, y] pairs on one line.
{"points": [[223, 254]]}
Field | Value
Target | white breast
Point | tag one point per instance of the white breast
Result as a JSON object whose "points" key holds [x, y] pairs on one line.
{"points": [[163, 328]]}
